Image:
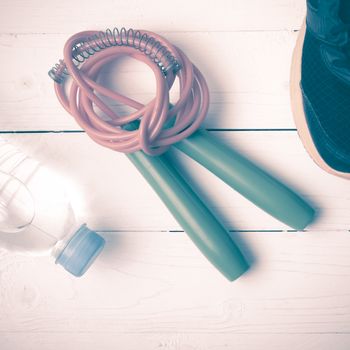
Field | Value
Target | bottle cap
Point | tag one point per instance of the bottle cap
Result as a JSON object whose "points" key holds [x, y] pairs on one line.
{"points": [[81, 251]]}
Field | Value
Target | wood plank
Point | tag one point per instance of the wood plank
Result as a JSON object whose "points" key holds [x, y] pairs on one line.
{"points": [[175, 340], [20, 16], [157, 285], [109, 193], [247, 73]]}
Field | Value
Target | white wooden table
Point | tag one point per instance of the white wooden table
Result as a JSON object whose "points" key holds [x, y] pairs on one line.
{"points": [[151, 288]]}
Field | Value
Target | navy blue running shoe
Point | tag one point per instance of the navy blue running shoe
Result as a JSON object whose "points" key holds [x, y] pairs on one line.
{"points": [[320, 84]]}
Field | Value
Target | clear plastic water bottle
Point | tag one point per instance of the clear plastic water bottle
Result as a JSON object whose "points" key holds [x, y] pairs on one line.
{"points": [[36, 217]]}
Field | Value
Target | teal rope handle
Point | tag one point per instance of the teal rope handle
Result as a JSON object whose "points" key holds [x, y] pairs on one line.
{"points": [[192, 215], [248, 179]]}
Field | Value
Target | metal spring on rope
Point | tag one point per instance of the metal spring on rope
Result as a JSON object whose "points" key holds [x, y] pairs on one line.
{"points": [[142, 42]]}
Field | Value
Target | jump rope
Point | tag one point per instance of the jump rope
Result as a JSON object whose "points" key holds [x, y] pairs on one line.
{"points": [[146, 134]]}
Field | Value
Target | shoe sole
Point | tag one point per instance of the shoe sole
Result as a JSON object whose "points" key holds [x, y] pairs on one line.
{"points": [[298, 108]]}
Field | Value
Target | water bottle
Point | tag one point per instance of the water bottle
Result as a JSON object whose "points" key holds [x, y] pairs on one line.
{"points": [[36, 217]]}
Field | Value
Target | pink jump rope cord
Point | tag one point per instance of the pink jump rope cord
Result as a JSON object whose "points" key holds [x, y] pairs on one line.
{"points": [[153, 135], [189, 111]]}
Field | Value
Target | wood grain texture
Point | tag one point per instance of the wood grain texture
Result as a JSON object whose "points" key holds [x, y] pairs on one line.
{"points": [[109, 192], [247, 72], [175, 341], [157, 288], [20, 16]]}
